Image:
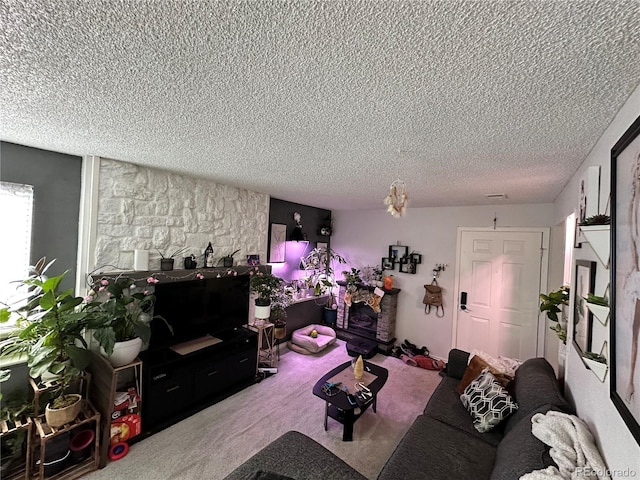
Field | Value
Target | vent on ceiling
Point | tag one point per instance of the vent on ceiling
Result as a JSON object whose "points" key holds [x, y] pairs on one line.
{"points": [[496, 196]]}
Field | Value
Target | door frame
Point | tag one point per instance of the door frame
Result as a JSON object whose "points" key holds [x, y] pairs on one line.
{"points": [[544, 273]]}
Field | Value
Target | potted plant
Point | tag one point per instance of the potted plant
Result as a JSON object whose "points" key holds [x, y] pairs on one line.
{"points": [[279, 302], [318, 264], [597, 363], [227, 260], [553, 303], [265, 286], [15, 408], [352, 278], [49, 328], [166, 263], [599, 219], [121, 315]]}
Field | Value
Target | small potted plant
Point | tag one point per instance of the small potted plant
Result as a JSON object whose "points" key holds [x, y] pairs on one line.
{"points": [[279, 302], [553, 304], [121, 313], [353, 279], [166, 263], [49, 328], [599, 219], [227, 260], [597, 363], [265, 286]]}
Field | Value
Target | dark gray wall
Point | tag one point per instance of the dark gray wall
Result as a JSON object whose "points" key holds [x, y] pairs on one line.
{"points": [[281, 211], [56, 178]]}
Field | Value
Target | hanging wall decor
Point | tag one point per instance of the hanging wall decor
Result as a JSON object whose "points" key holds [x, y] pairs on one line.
{"points": [[397, 199]]}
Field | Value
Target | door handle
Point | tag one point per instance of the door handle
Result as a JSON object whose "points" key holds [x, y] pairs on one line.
{"points": [[463, 300]]}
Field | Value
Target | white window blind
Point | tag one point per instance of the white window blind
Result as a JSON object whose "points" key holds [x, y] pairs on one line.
{"points": [[16, 210]]}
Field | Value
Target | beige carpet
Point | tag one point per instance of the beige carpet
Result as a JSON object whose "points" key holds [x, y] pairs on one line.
{"points": [[212, 443]]}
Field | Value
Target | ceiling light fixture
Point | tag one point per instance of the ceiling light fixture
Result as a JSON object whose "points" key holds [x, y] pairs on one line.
{"points": [[397, 199]]}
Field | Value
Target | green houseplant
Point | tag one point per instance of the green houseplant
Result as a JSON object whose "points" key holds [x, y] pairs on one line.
{"points": [[265, 286], [48, 331], [552, 303], [320, 276], [166, 262], [121, 316]]}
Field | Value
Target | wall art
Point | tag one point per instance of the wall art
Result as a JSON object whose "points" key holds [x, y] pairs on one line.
{"points": [[625, 278]]}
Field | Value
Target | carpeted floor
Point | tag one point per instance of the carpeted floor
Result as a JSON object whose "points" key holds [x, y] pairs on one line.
{"points": [[212, 443]]}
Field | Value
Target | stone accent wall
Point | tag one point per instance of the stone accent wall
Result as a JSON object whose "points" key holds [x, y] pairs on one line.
{"points": [[149, 209]]}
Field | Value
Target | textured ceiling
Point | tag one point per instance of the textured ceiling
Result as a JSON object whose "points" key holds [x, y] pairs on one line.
{"points": [[325, 103]]}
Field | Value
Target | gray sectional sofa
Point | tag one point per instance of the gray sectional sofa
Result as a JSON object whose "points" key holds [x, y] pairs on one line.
{"points": [[442, 443]]}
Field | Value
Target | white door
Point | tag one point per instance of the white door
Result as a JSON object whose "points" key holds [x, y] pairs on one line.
{"points": [[500, 272]]}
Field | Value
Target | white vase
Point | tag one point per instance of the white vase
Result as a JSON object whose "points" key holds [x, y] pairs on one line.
{"points": [[124, 352]]}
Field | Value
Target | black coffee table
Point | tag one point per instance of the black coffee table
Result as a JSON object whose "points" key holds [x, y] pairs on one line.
{"points": [[338, 407]]}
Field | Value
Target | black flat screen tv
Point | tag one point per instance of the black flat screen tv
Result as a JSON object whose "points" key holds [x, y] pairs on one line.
{"points": [[212, 306]]}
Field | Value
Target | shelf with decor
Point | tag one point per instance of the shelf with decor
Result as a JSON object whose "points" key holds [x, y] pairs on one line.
{"points": [[597, 362], [117, 394], [599, 237], [75, 463], [17, 467]]}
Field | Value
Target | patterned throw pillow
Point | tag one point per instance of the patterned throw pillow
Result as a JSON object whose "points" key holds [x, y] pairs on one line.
{"points": [[487, 401]]}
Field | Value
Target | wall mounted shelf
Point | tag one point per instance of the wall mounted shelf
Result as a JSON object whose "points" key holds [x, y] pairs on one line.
{"points": [[599, 369], [601, 312], [599, 238]]}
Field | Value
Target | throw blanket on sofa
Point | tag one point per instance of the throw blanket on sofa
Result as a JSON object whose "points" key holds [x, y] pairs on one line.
{"points": [[572, 448]]}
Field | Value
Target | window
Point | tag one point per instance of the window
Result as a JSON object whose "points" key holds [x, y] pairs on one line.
{"points": [[16, 209]]}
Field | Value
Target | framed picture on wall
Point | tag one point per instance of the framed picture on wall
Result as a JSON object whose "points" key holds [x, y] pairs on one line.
{"points": [[625, 279], [387, 263], [582, 316], [277, 243]]}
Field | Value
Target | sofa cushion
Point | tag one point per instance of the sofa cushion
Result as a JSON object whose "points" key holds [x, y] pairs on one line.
{"points": [[446, 407], [521, 452], [473, 370], [437, 451], [487, 401], [295, 455], [535, 385]]}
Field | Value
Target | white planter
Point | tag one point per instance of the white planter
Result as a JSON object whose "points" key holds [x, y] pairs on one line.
{"points": [[599, 237], [124, 352], [262, 311], [61, 416], [599, 369], [600, 312]]}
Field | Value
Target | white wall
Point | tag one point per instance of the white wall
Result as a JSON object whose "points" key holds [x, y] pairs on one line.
{"points": [[149, 209], [364, 238], [591, 397]]}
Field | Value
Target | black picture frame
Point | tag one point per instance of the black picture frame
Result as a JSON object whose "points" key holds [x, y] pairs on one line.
{"points": [[585, 280], [398, 252], [624, 385], [416, 258], [387, 263], [277, 243]]}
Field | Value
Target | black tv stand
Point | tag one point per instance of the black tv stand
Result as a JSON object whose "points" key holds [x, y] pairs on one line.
{"points": [[177, 386]]}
